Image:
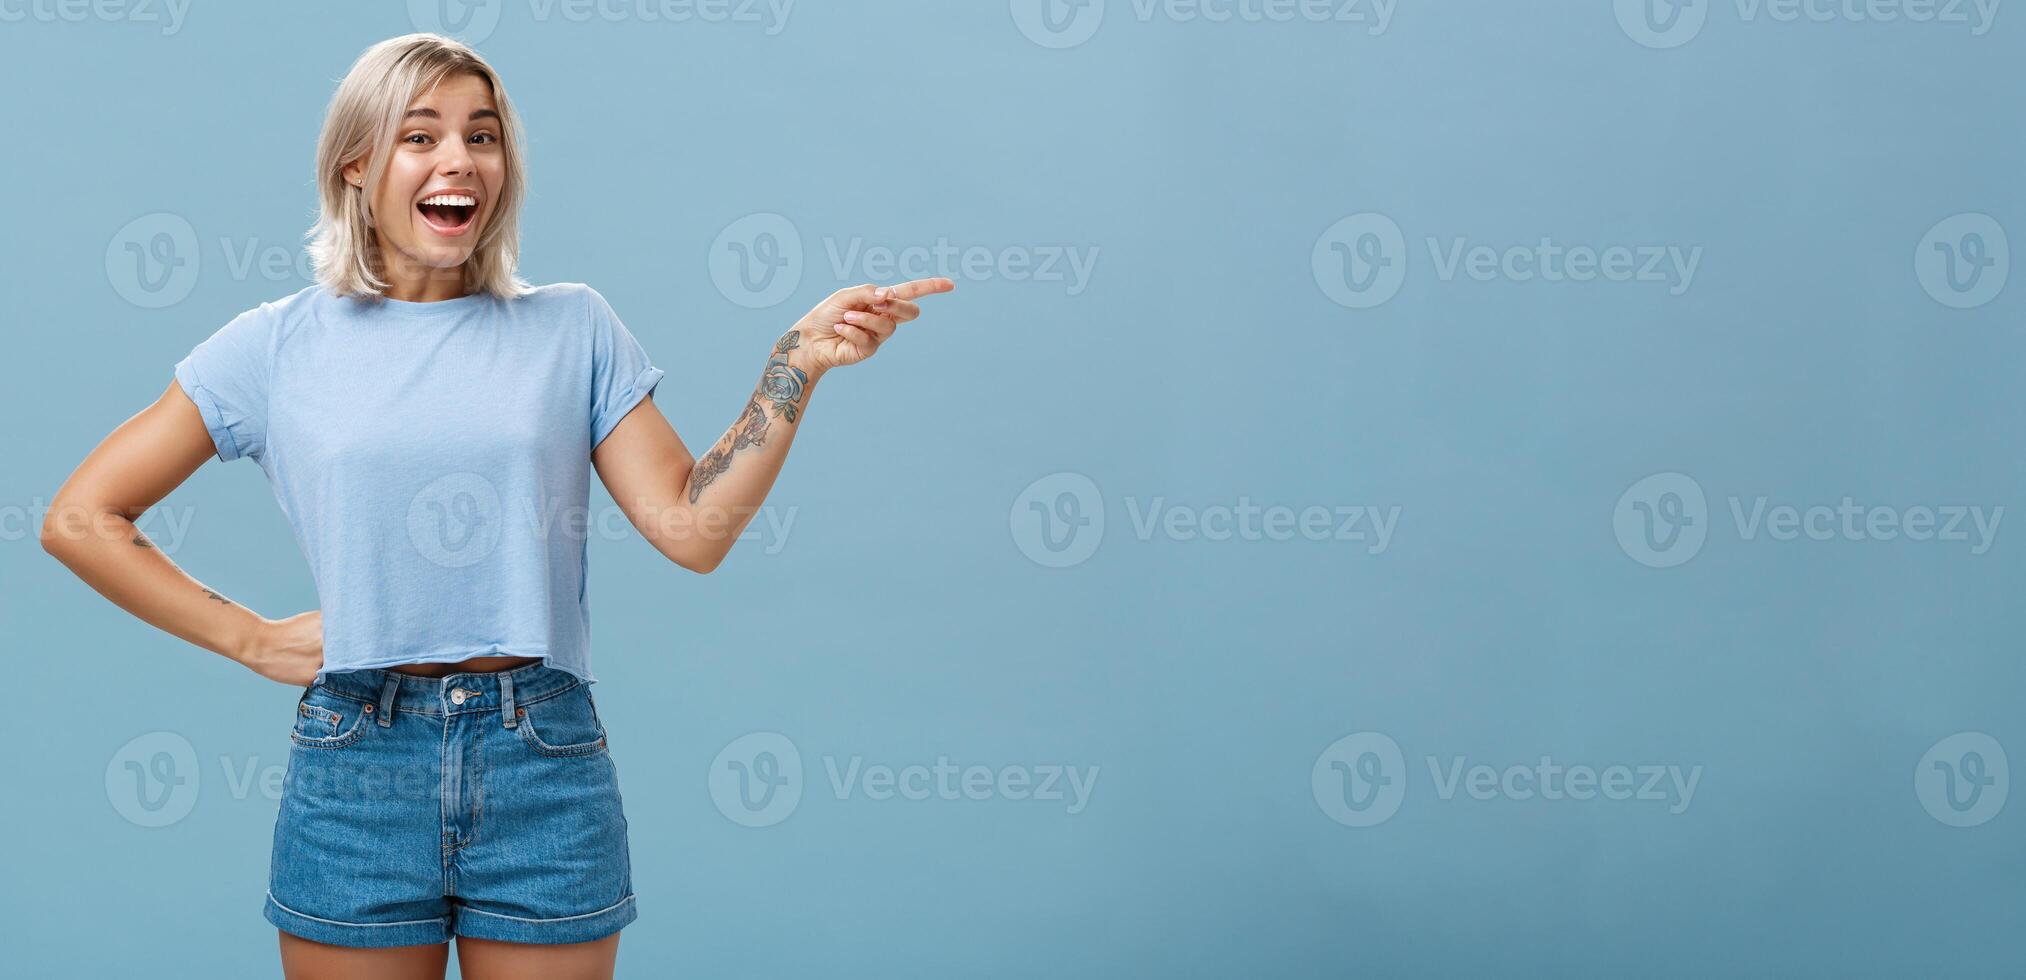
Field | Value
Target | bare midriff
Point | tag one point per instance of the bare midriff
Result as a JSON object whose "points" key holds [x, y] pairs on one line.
{"points": [[473, 666]]}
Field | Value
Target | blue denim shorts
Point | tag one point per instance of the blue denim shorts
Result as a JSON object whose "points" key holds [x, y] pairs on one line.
{"points": [[415, 809]]}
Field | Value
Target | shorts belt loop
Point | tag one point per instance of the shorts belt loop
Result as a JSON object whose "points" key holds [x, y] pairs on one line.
{"points": [[387, 698], [506, 699]]}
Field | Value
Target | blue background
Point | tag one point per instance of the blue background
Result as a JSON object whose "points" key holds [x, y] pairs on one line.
{"points": [[902, 619]]}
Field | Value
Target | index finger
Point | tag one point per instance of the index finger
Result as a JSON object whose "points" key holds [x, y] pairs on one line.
{"points": [[917, 287]]}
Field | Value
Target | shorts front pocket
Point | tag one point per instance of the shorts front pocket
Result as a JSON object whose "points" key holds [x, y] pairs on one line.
{"points": [[324, 720], [563, 726]]}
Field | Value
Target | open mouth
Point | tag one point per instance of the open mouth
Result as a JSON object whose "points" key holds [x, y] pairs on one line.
{"points": [[448, 214]]}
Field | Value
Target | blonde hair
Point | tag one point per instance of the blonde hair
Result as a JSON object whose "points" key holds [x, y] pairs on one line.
{"points": [[360, 125]]}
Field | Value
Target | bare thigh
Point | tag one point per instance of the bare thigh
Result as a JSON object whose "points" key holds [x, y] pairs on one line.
{"points": [[304, 959], [490, 959]]}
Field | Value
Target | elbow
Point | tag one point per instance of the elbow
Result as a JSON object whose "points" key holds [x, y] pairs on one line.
{"points": [[701, 564], [687, 552], [697, 557], [71, 522], [52, 534]]}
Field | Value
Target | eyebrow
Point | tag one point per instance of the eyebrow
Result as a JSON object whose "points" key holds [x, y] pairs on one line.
{"points": [[476, 114]]}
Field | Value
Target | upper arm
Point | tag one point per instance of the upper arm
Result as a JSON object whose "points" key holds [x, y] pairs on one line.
{"points": [[134, 466], [637, 454], [644, 465]]}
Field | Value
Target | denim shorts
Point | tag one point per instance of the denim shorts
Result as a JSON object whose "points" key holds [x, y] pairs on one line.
{"points": [[415, 809]]}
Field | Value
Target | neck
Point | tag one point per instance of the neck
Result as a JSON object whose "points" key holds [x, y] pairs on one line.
{"points": [[413, 282]]}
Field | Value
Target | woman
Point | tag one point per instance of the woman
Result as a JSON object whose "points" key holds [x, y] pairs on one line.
{"points": [[424, 418]]}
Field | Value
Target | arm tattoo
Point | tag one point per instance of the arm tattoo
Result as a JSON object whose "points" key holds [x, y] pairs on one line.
{"points": [[141, 541], [784, 385], [213, 595], [749, 430]]}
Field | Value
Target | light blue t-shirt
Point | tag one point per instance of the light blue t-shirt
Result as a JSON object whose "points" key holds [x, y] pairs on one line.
{"points": [[434, 460]]}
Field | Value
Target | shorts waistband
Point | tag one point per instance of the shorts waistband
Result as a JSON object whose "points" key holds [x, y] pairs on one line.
{"points": [[452, 694]]}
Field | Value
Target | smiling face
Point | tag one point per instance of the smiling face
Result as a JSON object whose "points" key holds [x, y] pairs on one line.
{"points": [[441, 183]]}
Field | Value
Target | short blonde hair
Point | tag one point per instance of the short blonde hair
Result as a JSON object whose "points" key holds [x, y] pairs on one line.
{"points": [[360, 125]]}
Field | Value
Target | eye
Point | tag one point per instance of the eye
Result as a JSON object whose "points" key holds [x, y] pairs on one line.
{"points": [[484, 138], [412, 137]]}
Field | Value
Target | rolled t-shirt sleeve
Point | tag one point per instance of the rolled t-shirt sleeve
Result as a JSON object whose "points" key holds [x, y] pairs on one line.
{"points": [[226, 376], [621, 372]]}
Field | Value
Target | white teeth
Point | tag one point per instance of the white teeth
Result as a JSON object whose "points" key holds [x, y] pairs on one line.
{"points": [[451, 199]]}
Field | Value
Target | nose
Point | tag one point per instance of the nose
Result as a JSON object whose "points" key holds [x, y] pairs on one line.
{"points": [[455, 160]]}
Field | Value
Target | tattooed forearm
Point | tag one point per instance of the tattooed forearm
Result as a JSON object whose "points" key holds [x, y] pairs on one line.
{"points": [[141, 541], [784, 386], [213, 595], [750, 430]]}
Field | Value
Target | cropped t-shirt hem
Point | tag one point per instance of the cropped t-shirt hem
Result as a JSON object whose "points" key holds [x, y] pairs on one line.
{"points": [[643, 383], [448, 657], [214, 418]]}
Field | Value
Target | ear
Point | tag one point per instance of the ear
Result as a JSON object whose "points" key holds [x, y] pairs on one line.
{"points": [[355, 173]]}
